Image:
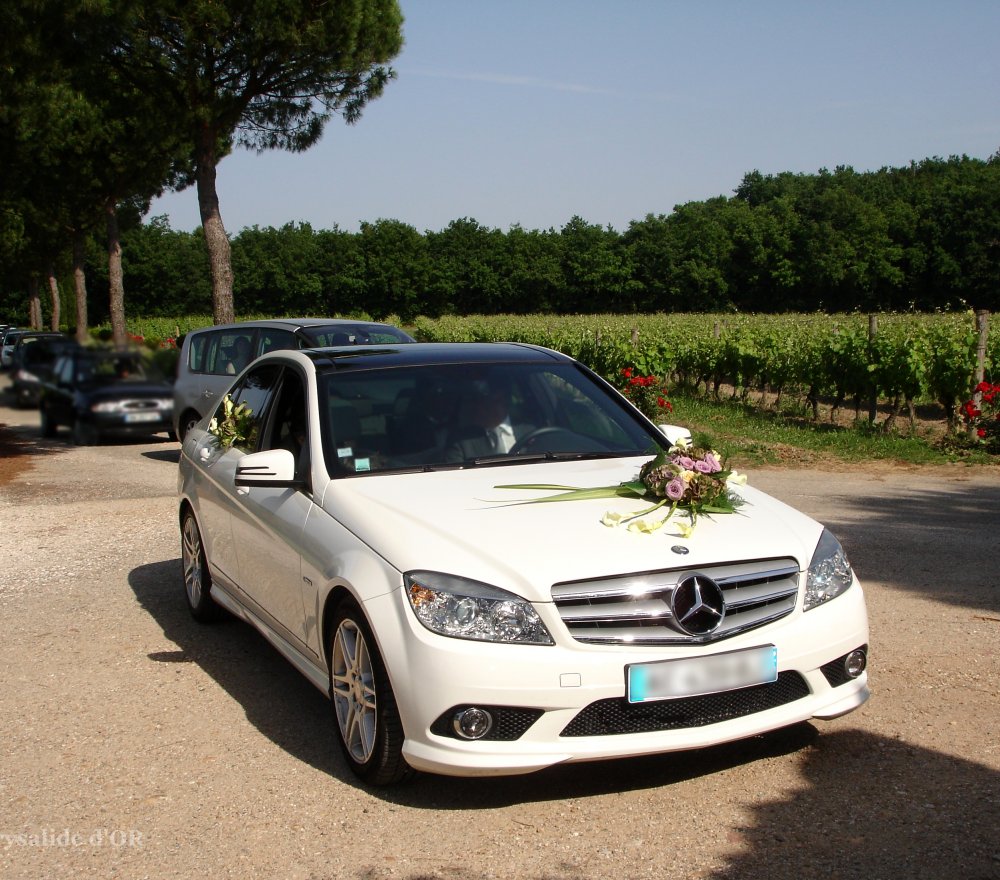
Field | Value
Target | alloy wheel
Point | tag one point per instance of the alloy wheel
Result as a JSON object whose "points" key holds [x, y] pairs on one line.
{"points": [[354, 698]]}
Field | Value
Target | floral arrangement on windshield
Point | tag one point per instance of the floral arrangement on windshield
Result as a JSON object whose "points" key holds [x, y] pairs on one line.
{"points": [[686, 479], [236, 427], [985, 418]]}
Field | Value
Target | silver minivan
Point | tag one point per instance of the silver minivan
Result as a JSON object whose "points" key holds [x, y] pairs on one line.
{"points": [[212, 357]]}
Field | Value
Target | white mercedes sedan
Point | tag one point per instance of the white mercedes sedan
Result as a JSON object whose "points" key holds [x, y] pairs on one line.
{"points": [[491, 563]]}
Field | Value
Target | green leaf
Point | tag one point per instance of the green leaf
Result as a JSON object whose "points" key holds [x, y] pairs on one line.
{"points": [[570, 493]]}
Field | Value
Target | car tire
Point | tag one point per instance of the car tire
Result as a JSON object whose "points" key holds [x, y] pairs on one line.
{"points": [[85, 434], [186, 423], [197, 578], [369, 729], [48, 427]]}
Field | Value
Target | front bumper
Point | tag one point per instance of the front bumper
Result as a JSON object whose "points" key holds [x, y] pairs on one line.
{"points": [[115, 423], [577, 691]]}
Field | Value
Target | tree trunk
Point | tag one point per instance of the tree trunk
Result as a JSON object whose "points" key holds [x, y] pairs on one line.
{"points": [[53, 282], [115, 278], [220, 263], [34, 304], [80, 286]]}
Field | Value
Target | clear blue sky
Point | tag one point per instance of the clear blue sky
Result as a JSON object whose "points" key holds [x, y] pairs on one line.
{"points": [[532, 111]]}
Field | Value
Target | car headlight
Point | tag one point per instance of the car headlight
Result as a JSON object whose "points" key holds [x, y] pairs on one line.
{"points": [[463, 609], [829, 572]]}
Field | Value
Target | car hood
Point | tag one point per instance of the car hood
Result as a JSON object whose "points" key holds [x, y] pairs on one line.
{"points": [[459, 522], [127, 391]]}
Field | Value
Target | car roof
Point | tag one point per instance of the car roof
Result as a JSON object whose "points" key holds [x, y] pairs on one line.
{"points": [[42, 334], [36, 334], [52, 344], [296, 323], [412, 354]]}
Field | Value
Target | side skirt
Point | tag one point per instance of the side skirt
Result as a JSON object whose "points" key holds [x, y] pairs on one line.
{"points": [[317, 675]]}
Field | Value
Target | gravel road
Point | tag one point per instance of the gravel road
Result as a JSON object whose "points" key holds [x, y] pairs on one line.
{"points": [[138, 744]]}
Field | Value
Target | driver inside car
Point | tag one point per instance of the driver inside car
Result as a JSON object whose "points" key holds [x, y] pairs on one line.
{"points": [[485, 426]]}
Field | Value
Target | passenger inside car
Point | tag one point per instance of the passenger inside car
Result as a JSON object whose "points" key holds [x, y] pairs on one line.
{"points": [[239, 355]]}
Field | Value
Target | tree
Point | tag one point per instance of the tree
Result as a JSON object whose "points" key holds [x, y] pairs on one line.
{"points": [[77, 141], [597, 269], [470, 268], [265, 75], [396, 268], [278, 269], [536, 279]]}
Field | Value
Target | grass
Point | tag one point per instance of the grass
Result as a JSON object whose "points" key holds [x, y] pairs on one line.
{"points": [[750, 436]]}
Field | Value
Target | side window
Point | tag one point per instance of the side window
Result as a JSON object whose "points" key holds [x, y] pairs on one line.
{"points": [[272, 340], [64, 371], [256, 391], [229, 351], [197, 352], [289, 424]]}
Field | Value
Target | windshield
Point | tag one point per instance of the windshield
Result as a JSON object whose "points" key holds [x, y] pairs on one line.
{"points": [[113, 369], [353, 334], [464, 415]]}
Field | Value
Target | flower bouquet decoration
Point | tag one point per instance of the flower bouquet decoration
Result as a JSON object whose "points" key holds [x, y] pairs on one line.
{"points": [[236, 427], [688, 479]]}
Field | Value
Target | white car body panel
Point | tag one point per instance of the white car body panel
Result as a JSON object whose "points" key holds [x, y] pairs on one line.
{"points": [[459, 522]]}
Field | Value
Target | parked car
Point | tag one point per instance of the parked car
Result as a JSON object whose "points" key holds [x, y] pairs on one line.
{"points": [[32, 364], [361, 510], [210, 357], [102, 393], [16, 342], [10, 339]]}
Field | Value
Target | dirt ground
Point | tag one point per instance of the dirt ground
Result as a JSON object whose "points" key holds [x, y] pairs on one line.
{"points": [[136, 744]]}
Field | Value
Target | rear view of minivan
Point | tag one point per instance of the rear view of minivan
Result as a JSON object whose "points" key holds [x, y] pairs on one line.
{"points": [[212, 357]]}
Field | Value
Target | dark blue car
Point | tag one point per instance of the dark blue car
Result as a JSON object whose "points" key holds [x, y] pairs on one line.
{"points": [[101, 393]]}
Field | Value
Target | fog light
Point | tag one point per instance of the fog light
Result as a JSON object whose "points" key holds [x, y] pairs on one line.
{"points": [[855, 663], [472, 723]]}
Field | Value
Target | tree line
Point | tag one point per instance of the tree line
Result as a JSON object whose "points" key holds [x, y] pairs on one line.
{"points": [[925, 237], [104, 105]]}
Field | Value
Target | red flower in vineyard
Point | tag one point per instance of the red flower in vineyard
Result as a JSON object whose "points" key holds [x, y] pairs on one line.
{"points": [[646, 393], [985, 419]]}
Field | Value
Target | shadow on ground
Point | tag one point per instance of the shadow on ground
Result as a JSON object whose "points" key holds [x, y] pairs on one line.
{"points": [[942, 812], [938, 542], [942, 809]]}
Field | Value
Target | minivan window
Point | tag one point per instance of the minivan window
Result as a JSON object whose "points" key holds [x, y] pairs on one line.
{"points": [[272, 340], [222, 353]]}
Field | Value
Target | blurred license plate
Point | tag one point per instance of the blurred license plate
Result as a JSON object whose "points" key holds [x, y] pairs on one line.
{"points": [[691, 677], [142, 417]]}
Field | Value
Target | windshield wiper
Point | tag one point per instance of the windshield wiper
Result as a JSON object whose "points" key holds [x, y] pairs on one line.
{"points": [[545, 456]]}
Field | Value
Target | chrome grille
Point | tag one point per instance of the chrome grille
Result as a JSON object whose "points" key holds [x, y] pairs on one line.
{"points": [[635, 609]]}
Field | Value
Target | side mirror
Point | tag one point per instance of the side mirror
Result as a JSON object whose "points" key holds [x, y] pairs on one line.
{"points": [[272, 467], [675, 433]]}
